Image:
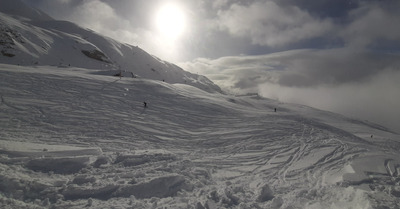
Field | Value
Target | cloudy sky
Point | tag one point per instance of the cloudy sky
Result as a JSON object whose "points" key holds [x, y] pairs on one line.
{"points": [[337, 55]]}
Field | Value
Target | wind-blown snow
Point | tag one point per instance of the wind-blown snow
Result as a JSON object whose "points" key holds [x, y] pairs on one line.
{"points": [[72, 138]]}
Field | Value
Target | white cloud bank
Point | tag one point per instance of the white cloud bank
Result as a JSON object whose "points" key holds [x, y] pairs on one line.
{"points": [[358, 84], [377, 99]]}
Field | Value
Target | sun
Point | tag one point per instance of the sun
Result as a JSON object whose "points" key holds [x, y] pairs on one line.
{"points": [[170, 21]]}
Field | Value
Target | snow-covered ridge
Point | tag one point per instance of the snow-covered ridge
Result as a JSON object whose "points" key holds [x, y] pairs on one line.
{"points": [[29, 37]]}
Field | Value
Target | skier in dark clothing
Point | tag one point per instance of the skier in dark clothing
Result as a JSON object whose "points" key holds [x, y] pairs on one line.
{"points": [[145, 104]]}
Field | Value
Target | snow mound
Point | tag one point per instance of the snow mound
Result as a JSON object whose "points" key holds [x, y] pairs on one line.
{"points": [[58, 165], [166, 186], [73, 192], [266, 194], [139, 158], [28, 149]]}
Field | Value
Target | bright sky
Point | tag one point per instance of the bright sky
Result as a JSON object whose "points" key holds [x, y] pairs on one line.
{"points": [[339, 55]]}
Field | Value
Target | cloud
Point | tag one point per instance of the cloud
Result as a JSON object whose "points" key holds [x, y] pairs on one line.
{"points": [[356, 83], [333, 66], [219, 3], [65, 1], [101, 17], [296, 68], [371, 23], [375, 99], [234, 74], [283, 24], [267, 23]]}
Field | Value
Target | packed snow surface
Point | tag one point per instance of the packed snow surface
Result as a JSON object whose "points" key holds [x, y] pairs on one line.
{"points": [[72, 138]]}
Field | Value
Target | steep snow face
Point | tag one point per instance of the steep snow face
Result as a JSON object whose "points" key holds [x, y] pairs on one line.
{"points": [[43, 41], [71, 138]]}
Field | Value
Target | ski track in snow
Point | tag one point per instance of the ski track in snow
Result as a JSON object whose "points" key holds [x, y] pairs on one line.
{"points": [[187, 149]]}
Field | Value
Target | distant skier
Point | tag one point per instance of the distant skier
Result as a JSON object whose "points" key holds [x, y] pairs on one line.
{"points": [[144, 104], [119, 75], [274, 109]]}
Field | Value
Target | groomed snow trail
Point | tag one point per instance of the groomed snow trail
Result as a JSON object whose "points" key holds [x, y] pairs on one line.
{"points": [[71, 139]]}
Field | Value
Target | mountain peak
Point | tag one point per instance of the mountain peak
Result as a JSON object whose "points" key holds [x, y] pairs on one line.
{"points": [[19, 8]]}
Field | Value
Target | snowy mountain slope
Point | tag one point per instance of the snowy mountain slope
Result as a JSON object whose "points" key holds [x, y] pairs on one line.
{"points": [[29, 37], [87, 141]]}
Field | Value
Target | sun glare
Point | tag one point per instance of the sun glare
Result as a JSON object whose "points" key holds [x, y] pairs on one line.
{"points": [[170, 21]]}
